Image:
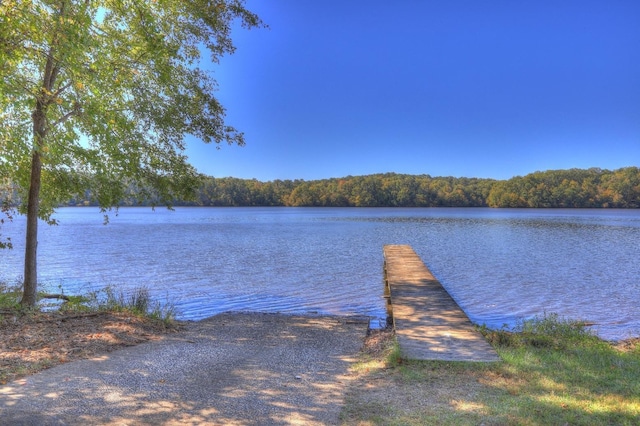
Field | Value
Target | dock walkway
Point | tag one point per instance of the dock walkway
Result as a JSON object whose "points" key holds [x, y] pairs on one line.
{"points": [[429, 324]]}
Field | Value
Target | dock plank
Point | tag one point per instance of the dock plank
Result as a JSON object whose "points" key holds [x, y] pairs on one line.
{"points": [[429, 324]]}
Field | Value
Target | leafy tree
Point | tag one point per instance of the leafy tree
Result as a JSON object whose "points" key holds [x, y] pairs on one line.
{"points": [[5, 215], [99, 94], [550, 189]]}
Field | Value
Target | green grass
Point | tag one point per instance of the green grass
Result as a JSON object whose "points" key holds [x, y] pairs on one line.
{"points": [[137, 301], [9, 296], [553, 372], [556, 372]]}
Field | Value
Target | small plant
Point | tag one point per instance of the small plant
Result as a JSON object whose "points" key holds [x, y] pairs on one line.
{"points": [[9, 295], [546, 331], [501, 337], [553, 331], [395, 357], [139, 302], [77, 304]]}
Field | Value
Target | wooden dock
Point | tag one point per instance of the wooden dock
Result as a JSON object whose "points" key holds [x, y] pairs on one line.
{"points": [[429, 324]]}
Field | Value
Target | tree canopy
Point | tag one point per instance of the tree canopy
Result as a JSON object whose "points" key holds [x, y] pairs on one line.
{"points": [[99, 95], [575, 188], [594, 188]]}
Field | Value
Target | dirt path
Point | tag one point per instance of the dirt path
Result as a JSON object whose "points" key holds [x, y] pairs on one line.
{"points": [[233, 369]]}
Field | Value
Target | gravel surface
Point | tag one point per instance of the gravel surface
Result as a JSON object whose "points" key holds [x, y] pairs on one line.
{"points": [[231, 369]]}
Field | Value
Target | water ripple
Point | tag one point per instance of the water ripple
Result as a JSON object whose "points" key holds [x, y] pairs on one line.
{"points": [[500, 265]]}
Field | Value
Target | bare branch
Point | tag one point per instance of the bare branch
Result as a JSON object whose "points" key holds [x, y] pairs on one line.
{"points": [[62, 89], [76, 111]]}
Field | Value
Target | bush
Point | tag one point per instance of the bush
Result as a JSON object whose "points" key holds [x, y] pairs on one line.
{"points": [[139, 302], [9, 295], [546, 331]]}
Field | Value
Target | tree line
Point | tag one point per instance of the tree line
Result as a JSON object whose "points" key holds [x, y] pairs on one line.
{"points": [[574, 188]]}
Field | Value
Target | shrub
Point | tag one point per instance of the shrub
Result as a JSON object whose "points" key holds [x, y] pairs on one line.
{"points": [[546, 331]]}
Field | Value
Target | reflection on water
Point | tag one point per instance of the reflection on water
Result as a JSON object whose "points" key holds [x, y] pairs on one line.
{"points": [[499, 265]]}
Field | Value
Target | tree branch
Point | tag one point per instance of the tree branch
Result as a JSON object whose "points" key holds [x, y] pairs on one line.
{"points": [[76, 111], [55, 296], [62, 89]]}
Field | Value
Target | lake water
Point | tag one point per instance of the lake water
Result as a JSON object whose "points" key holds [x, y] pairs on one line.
{"points": [[500, 265]]}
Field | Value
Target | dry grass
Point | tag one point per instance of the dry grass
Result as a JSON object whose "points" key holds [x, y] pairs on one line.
{"points": [[33, 341], [582, 383], [390, 390]]}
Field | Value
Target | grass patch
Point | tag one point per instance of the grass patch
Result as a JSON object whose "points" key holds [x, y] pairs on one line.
{"points": [[9, 296], [68, 328], [553, 371], [137, 301]]}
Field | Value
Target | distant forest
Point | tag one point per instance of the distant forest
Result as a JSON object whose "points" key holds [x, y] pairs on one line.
{"points": [[575, 188]]}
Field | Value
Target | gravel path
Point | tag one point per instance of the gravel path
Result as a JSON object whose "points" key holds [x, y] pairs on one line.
{"points": [[231, 369]]}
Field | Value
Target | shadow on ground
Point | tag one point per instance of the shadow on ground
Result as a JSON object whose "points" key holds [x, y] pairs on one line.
{"points": [[232, 369]]}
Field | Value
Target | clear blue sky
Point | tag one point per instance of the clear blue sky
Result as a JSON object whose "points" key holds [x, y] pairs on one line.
{"points": [[491, 88]]}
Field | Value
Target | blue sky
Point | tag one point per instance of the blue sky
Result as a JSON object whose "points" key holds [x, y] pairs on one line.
{"points": [[475, 88]]}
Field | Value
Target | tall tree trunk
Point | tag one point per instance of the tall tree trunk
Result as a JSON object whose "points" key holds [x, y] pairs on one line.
{"points": [[39, 118], [30, 288], [30, 285]]}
